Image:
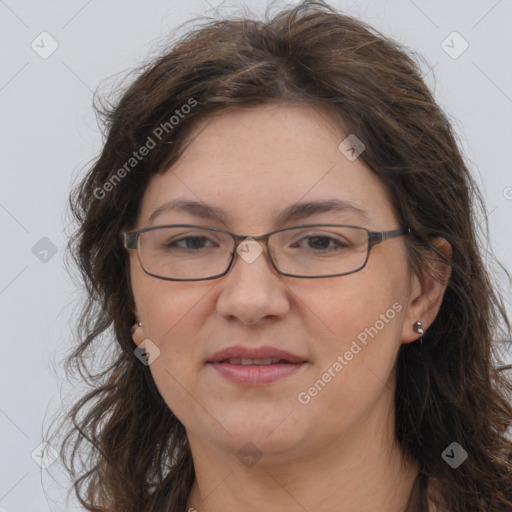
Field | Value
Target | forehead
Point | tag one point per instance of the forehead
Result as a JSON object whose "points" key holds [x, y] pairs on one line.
{"points": [[253, 163]]}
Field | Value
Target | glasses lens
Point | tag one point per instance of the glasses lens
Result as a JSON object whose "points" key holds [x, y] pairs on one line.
{"points": [[320, 251], [197, 253], [185, 252]]}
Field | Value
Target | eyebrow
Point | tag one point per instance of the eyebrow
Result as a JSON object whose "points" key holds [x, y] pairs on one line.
{"points": [[293, 212]]}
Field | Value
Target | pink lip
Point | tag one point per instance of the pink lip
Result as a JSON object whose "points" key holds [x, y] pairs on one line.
{"points": [[254, 353], [256, 374]]}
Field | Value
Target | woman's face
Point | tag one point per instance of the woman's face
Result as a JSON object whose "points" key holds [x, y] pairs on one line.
{"points": [[253, 164]]}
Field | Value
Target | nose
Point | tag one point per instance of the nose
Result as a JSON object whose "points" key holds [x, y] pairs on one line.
{"points": [[253, 289]]}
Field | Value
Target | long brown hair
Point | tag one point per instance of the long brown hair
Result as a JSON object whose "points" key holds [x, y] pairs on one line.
{"points": [[449, 387]]}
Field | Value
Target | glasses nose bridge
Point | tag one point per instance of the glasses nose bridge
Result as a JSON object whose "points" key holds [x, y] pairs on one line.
{"points": [[239, 239]]}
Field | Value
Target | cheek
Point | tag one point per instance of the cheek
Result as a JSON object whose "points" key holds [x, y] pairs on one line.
{"points": [[172, 314], [350, 305], [365, 341], [172, 317], [362, 318], [355, 361], [166, 307]]}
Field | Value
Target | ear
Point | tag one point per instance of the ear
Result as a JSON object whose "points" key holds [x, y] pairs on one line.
{"points": [[427, 290], [137, 330], [138, 335]]}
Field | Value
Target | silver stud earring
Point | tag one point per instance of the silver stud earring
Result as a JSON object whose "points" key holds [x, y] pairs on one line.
{"points": [[418, 327], [136, 326]]}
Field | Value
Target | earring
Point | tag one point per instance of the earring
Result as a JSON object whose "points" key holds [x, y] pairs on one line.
{"points": [[418, 327], [136, 326]]}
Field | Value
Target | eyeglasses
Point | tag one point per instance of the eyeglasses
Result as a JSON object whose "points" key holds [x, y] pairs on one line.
{"points": [[187, 252]]}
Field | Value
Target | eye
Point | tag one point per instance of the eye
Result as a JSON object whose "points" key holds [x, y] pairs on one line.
{"points": [[191, 242], [324, 242]]}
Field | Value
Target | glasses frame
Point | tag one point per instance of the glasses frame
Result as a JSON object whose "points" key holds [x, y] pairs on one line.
{"points": [[130, 241]]}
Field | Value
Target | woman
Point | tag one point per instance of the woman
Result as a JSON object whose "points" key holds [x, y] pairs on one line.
{"points": [[279, 232]]}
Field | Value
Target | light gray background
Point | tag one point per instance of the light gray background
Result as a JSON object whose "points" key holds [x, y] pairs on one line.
{"points": [[48, 133]]}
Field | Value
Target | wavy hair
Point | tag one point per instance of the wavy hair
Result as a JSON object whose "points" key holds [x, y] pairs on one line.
{"points": [[123, 447]]}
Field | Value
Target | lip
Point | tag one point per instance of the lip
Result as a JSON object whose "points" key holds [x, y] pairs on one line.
{"points": [[255, 375], [255, 353]]}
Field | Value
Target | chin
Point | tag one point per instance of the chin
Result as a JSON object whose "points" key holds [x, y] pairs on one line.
{"points": [[271, 430]]}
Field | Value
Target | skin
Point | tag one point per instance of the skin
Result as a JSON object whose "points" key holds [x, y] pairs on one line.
{"points": [[338, 452]]}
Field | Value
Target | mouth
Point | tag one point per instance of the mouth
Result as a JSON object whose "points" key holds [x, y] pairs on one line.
{"points": [[253, 367], [243, 355], [250, 362]]}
